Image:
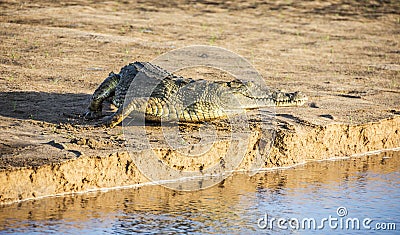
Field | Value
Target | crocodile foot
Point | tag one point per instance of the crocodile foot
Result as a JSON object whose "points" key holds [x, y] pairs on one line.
{"points": [[107, 121], [90, 115]]}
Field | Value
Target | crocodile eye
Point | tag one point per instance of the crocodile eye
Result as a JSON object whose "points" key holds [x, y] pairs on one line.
{"points": [[235, 83]]}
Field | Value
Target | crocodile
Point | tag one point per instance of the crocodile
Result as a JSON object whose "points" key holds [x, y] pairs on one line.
{"points": [[160, 96]]}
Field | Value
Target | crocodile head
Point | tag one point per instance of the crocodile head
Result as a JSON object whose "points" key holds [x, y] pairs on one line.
{"points": [[248, 95]]}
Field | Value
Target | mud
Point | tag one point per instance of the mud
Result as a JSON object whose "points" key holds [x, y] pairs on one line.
{"points": [[343, 54]]}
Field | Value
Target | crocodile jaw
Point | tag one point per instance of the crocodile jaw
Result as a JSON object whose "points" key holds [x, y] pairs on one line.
{"points": [[290, 99]]}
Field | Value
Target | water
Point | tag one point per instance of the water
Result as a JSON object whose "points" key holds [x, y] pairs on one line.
{"points": [[365, 187]]}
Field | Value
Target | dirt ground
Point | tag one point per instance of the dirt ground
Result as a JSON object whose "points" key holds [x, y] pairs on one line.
{"points": [[344, 54]]}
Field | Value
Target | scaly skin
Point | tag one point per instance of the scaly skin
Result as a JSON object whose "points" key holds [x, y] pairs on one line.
{"points": [[161, 96]]}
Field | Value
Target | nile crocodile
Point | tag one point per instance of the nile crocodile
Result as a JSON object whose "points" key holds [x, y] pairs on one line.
{"points": [[163, 96]]}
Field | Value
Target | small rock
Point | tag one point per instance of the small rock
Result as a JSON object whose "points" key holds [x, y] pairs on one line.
{"points": [[93, 144], [327, 116], [81, 141], [314, 105], [57, 145]]}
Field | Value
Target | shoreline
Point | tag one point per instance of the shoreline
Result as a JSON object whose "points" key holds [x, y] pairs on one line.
{"points": [[96, 173], [359, 155]]}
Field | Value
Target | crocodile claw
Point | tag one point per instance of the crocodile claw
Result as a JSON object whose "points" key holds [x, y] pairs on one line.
{"points": [[90, 115]]}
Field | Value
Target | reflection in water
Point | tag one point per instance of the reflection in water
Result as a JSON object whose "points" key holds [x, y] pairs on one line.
{"points": [[368, 186]]}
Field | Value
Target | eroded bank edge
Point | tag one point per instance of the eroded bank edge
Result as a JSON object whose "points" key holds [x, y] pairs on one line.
{"points": [[117, 171]]}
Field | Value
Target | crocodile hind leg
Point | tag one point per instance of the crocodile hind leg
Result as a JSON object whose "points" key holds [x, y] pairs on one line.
{"points": [[105, 90]]}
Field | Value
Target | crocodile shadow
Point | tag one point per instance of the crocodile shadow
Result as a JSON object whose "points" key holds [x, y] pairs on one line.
{"points": [[53, 108], [43, 106]]}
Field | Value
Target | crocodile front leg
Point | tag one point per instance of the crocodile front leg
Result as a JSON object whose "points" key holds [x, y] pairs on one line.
{"points": [[105, 90], [137, 105]]}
